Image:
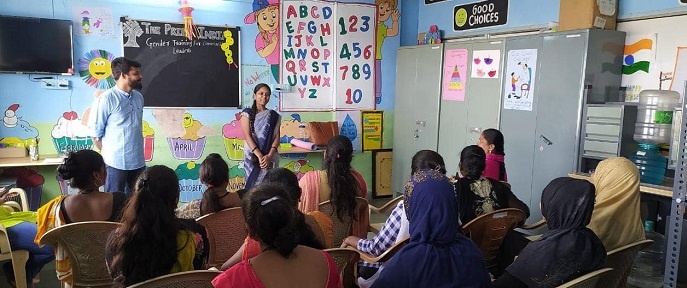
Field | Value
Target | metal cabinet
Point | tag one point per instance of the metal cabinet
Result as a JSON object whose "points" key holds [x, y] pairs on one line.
{"points": [[461, 122], [416, 112], [573, 68], [607, 131]]}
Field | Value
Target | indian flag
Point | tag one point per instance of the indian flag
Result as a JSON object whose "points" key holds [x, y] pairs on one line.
{"points": [[638, 54]]}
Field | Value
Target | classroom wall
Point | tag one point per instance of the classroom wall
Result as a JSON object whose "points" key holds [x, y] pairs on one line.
{"points": [[524, 14], [42, 109]]}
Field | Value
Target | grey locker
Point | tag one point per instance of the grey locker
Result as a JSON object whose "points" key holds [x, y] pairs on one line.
{"points": [[574, 68], [416, 112], [461, 122]]}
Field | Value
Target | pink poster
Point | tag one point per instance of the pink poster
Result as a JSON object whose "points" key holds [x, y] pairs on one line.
{"points": [[455, 69]]}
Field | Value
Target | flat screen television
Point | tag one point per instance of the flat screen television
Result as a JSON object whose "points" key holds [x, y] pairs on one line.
{"points": [[35, 45]]}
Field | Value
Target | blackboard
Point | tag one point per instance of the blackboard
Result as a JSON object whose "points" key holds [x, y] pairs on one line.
{"points": [[177, 72]]}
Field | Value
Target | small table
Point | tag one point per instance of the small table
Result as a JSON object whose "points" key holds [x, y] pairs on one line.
{"points": [[297, 150], [52, 160], [662, 191]]}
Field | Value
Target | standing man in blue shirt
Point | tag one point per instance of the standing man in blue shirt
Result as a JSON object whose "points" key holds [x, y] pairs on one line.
{"points": [[118, 127]]}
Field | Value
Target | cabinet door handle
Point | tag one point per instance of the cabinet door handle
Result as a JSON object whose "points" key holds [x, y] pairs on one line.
{"points": [[475, 129], [546, 140]]}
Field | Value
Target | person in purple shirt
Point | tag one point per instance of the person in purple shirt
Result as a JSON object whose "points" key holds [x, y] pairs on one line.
{"points": [[118, 125]]}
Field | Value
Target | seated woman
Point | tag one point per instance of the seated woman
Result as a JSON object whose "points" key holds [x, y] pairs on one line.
{"points": [[491, 141], [272, 221], [315, 227], [85, 171], [478, 195], [396, 226], [437, 255], [569, 249], [339, 183], [616, 218], [151, 241], [21, 230], [214, 174]]}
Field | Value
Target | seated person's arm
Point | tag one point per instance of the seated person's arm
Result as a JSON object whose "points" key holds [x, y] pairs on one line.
{"points": [[236, 258], [384, 239], [508, 281]]}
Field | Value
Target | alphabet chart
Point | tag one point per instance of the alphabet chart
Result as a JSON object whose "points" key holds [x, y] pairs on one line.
{"points": [[328, 56]]}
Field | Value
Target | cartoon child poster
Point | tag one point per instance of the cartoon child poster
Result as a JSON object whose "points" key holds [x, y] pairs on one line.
{"points": [[520, 69], [385, 9], [93, 21], [267, 42]]}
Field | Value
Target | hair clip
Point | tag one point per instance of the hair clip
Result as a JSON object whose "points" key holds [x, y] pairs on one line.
{"points": [[337, 155], [438, 168], [267, 201]]}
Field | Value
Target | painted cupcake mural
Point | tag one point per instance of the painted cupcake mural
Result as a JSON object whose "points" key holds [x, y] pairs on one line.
{"points": [[233, 138], [237, 178], [189, 183], [15, 130], [294, 128], [70, 134], [148, 141], [299, 167], [186, 136]]}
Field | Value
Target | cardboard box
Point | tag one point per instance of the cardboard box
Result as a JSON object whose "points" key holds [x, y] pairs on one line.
{"points": [[13, 152], [585, 14]]}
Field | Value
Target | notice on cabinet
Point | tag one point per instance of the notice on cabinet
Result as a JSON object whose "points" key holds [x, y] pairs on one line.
{"points": [[455, 70], [520, 74]]}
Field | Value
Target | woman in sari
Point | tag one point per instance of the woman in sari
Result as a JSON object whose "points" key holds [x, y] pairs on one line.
{"points": [[616, 218], [151, 241], [85, 171], [437, 255], [569, 249], [261, 129], [339, 183]]}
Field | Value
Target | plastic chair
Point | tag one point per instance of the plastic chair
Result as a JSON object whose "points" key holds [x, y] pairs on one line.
{"points": [[588, 280], [85, 245], [226, 232], [195, 279], [621, 260], [20, 202], [386, 256], [342, 229], [18, 258], [345, 259], [488, 231], [384, 209]]}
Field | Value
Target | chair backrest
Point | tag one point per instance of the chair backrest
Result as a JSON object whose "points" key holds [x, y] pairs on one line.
{"points": [[342, 229], [345, 259], [387, 207], [85, 245], [20, 198], [488, 231], [195, 279], [621, 260], [588, 280], [386, 256], [226, 232]]}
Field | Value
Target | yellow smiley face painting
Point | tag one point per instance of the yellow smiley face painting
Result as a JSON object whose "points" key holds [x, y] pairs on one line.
{"points": [[95, 69]]}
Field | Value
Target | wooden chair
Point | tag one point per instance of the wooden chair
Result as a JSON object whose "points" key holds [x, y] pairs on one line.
{"points": [[384, 209], [342, 229], [85, 245], [588, 280], [18, 258], [488, 231], [193, 279], [621, 260], [345, 259], [226, 232]]}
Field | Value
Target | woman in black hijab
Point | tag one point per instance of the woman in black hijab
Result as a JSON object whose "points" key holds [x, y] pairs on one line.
{"points": [[569, 249]]}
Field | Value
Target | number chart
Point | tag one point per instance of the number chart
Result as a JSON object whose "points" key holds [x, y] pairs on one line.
{"points": [[328, 56]]}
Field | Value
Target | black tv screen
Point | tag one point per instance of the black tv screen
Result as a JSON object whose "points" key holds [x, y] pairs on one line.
{"points": [[35, 45]]}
